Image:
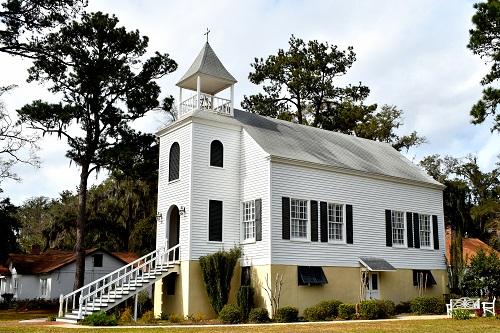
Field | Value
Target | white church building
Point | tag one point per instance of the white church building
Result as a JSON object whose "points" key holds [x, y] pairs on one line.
{"points": [[321, 208]]}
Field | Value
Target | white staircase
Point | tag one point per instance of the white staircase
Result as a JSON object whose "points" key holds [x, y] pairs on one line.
{"points": [[114, 288]]}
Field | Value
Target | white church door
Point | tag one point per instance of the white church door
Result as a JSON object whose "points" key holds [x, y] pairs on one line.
{"points": [[372, 290], [174, 229]]}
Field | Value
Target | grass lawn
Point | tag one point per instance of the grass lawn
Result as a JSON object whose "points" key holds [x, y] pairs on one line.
{"points": [[9, 322]]}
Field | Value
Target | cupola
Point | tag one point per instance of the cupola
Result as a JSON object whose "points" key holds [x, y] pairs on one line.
{"points": [[206, 78]]}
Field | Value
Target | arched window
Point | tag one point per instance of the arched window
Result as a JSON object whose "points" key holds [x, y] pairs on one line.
{"points": [[173, 162], [216, 154]]}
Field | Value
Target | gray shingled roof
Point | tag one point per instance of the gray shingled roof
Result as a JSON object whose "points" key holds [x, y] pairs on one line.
{"points": [[376, 264], [207, 63], [289, 141]]}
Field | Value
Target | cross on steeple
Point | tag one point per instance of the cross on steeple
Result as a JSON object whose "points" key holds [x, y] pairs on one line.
{"points": [[206, 33]]}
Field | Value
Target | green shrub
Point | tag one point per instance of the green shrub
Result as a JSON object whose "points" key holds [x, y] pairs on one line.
{"points": [[244, 299], [460, 314], [51, 318], [164, 316], [148, 317], [347, 311], [196, 317], [403, 307], [99, 319], [331, 308], [387, 308], [7, 297], [259, 315], [427, 305], [231, 314], [369, 309], [287, 314], [315, 313]]}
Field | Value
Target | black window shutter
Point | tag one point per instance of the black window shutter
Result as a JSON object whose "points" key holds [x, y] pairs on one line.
{"points": [[388, 227], [348, 224], [324, 220], [314, 221], [215, 221], [216, 154], [416, 230], [173, 162], [409, 229], [435, 232], [285, 216], [258, 219]]}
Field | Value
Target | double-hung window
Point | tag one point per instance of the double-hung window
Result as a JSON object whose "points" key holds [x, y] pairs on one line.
{"points": [[16, 287], [425, 230], [299, 218], [249, 220], [43, 288], [335, 222], [398, 228]]}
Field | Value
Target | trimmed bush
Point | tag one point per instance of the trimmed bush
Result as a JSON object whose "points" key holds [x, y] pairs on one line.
{"points": [[287, 314], [331, 308], [99, 319], [369, 309], [259, 315], [347, 311], [460, 314], [244, 299], [126, 316], [427, 305], [231, 314], [315, 313], [387, 308], [403, 307]]}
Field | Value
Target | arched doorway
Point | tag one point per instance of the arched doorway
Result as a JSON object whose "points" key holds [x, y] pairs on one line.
{"points": [[174, 229]]}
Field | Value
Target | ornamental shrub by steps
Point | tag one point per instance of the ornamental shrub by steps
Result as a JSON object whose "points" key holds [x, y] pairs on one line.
{"points": [[99, 319], [287, 314]]}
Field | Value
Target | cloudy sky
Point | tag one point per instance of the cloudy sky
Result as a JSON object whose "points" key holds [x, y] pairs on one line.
{"points": [[412, 54]]}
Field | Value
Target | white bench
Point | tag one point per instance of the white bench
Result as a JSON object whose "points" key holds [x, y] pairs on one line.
{"points": [[464, 303], [489, 307]]}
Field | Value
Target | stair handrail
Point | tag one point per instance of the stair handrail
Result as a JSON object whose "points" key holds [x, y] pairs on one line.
{"points": [[139, 263], [123, 278]]}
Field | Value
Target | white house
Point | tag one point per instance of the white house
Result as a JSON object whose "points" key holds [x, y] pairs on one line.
{"points": [[321, 208], [52, 273]]}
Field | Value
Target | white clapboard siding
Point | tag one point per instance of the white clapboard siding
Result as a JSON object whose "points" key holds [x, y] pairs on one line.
{"points": [[177, 192], [255, 184], [214, 183], [369, 198]]}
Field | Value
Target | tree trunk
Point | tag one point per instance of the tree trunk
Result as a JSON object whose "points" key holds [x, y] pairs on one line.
{"points": [[80, 228]]}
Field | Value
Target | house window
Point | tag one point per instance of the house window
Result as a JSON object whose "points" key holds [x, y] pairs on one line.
{"points": [[97, 259], [335, 222], [216, 154], [215, 221], [423, 278], [425, 230], [249, 220], [299, 218], [15, 287], [43, 288], [173, 162], [398, 228]]}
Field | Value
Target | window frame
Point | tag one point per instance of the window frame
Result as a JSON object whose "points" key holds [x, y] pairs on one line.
{"points": [[16, 284], [177, 163], [44, 287], [98, 263], [427, 234], [398, 230], [221, 222], [342, 224], [251, 222], [217, 142], [307, 220]]}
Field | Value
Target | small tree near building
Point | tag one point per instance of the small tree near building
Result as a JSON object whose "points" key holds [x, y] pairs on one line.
{"points": [[484, 273]]}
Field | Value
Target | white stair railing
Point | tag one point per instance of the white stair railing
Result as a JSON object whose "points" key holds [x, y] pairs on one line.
{"points": [[106, 288]]}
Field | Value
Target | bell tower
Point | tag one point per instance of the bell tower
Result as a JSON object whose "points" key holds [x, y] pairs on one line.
{"points": [[206, 77]]}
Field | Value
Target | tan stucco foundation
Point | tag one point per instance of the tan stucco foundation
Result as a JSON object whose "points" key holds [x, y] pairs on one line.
{"points": [[343, 284]]}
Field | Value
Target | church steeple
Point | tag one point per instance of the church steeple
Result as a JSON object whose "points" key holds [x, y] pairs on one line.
{"points": [[207, 76]]}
